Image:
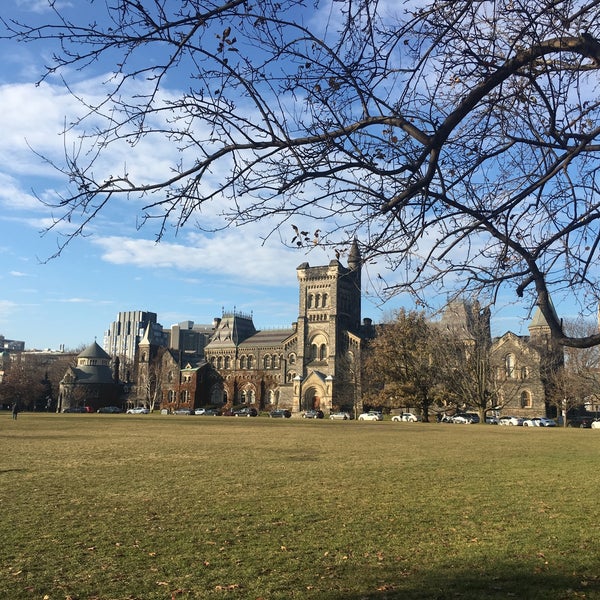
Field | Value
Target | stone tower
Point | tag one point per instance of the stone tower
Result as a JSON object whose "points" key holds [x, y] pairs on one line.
{"points": [[328, 332]]}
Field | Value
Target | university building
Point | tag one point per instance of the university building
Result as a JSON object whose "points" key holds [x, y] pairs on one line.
{"points": [[315, 363]]}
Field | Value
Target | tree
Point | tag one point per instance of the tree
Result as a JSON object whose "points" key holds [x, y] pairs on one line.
{"points": [[400, 364], [458, 141], [577, 381], [22, 385], [149, 386], [468, 376]]}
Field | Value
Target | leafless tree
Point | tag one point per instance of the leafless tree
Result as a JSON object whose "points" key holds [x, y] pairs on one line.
{"points": [[577, 381], [457, 140]]}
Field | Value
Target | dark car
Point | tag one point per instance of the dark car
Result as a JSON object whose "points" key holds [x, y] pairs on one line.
{"points": [[183, 411], [280, 413], [581, 422], [211, 412], [75, 409], [247, 411], [110, 409], [313, 414]]}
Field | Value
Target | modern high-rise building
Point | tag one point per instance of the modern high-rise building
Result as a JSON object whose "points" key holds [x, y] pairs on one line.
{"points": [[124, 334]]}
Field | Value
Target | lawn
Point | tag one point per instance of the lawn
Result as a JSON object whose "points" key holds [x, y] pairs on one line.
{"points": [[143, 507]]}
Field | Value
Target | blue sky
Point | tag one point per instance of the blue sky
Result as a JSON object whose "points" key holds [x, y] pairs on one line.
{"points": [[71, 300]]}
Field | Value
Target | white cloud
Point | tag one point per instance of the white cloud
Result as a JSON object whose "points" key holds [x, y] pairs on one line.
{"points": [[236, 255]]}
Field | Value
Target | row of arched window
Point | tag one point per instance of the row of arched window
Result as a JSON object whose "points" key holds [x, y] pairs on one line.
{"points": [[317, 300], [269, 361], [184, 396]]}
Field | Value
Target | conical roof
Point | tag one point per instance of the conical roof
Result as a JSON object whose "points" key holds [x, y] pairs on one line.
{"points": [[94, 351]]}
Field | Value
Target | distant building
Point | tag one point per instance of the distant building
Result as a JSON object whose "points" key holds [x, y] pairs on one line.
{"points": [[520, 365], [11, 345], [91, 383], [123, 335]]}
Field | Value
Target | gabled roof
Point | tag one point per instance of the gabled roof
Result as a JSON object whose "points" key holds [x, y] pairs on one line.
{"points": [[269, 337], [232, 330]]}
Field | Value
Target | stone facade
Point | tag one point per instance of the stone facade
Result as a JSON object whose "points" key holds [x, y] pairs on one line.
{"points": [[520, 365], [313, 364], [91, 383]]}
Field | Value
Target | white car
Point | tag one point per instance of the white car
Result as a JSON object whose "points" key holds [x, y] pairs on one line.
{"points": [[511, 421], [371, 416], [407, 417], [342, 416], [595, 425], [138, 410], [539, 422]]}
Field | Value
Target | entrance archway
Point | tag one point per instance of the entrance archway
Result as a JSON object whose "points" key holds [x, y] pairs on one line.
{"points": [[311, 399]]}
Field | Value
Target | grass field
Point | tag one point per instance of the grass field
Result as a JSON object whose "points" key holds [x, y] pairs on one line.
{"points": [[128, 507]]}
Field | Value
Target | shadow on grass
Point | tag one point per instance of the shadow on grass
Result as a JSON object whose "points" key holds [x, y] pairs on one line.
{"points": [[494, 584]]}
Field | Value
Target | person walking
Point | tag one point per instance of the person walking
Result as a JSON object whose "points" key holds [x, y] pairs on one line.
{"points": [[15, 411]]}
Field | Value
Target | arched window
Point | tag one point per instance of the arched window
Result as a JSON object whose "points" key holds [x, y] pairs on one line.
{"points": [[250, 397], [290, 376], [323, 352], [292, 359], [228, 362], [243, 361], [250, 361], [524, 372], [317, 300], [219, 362], [267, 362], [526, 399], [309, 302], [509, 365], [313, 352], [324, 298]]}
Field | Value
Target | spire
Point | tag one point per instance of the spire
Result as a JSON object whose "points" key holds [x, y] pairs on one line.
{"points": [[539, 325], [354, 257]]}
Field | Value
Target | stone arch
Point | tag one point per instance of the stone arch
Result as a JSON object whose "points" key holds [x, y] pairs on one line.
{"points": [[312, 397]]}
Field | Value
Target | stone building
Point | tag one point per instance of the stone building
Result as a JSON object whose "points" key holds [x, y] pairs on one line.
{"points": [[313, 364], [91, 383], [520, 365]]}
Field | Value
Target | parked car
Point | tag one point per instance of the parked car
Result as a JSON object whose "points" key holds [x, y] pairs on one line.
{"points": [[210, 412], [595, 424], [507, 420], [491, 420], [465, 418], [183, 411], [461, 419], [75, 409], [247, 411], [110, 409], [280, 413], [372, 415], [539, 422], [341, 416], [138, 410], [199, 411], [581, 422], [313, 414], [408, 417]]}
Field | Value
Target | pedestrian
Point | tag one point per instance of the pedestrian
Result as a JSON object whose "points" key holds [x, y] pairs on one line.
{"points": [[15, 411]]}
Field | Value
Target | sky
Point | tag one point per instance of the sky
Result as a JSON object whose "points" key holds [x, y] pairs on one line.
{"points": [[69, 301]]}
